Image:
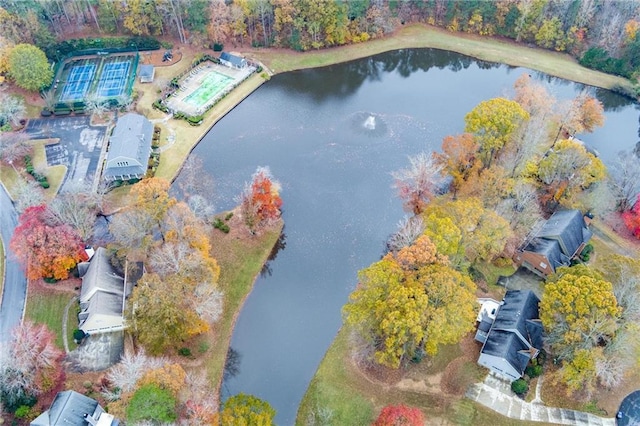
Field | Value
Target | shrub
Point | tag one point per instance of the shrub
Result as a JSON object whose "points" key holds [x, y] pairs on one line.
{"points": [[152, 403], [78, 334], [184, 352], [520, 387], [217, 47], [585, 255], [228, 216], [533, 371], [45, 113], [219, 224]]}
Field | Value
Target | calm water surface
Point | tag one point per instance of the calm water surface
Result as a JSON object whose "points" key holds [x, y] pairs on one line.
{"points": [[332, 136]]}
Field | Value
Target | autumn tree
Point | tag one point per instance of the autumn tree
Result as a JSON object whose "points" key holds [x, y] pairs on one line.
{"points": [[29, 68], [631, 218], [492, 123], [46, 249], [399, 415], [483, 233], [30, 364], [410, 302], [582, 114], [260, 201], [243, 409], [458, 158], [580, 315], [418, 183], [565, 171]]}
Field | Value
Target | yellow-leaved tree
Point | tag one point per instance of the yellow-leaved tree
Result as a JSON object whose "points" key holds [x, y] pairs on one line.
{"points": [[411, 302]]}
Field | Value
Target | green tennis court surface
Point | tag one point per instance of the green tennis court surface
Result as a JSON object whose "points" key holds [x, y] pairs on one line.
{"points": [[212, 84]]}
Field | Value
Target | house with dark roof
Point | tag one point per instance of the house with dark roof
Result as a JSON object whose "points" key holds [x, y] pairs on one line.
{"points": [[102, 296], [129, 148], [232, 61], [73, 408], [554, 242], [515, 336]]}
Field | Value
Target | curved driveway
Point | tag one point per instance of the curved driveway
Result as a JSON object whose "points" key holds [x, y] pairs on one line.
{"points": [[15, 282]]}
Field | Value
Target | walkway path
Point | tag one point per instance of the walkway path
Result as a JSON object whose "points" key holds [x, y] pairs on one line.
{"points": [[172, 133], [65, 321], [496, 394]]}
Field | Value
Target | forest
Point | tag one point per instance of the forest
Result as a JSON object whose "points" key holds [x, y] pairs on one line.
{"points": [[601, 34]]}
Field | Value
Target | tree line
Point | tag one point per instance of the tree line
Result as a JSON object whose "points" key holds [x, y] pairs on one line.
{"points": [[602, 33]]}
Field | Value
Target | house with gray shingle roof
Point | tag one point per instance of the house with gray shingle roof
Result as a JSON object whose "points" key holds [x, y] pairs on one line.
{"points": [[73, 408], [232, 61], [515, 336], [554, 243], [129, 148], [102, 296]]}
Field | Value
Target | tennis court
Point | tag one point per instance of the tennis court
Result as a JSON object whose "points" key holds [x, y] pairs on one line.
{"points": [[78, 82], [203, 86], [113, 79], [103, 76]]}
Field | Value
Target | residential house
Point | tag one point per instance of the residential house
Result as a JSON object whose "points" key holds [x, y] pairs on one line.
{"points": [[102, 296], [515, 336], [554, 243], [73, 408], [129, 148], [232, 61]]}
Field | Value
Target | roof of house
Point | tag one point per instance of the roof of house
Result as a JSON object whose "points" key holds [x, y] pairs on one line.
{"points": [[233, 59], [101, 276], [69, 408], [560, 237], [515, 329], [518, 311], [508, 346], [129, 146], [105, 303]]}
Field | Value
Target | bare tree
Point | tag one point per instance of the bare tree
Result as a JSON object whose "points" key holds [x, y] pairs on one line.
{"points": [[208, 302], [13, 146], [78, 207], [419, 182], [28, 193], [95, 104], [409, 229], [625, 173], [12, 109], [200, 206], [194, 180]]}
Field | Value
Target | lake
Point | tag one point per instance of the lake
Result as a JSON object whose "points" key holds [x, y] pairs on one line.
{"points": [[332, 136]]}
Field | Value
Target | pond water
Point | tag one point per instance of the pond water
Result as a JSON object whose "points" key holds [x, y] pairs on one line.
{"points": [[332, 136]]}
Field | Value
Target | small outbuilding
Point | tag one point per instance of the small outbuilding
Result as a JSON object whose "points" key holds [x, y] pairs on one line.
{"points": [[129, 148], [233, 61], [147, 73]]}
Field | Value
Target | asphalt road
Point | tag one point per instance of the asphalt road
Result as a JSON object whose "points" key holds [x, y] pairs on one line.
{"points": [[15, 284]]}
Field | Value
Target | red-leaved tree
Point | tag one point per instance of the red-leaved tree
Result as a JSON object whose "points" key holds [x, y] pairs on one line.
{"points": [[260, 201], [399, 415], [46, 249], [631, 218]]}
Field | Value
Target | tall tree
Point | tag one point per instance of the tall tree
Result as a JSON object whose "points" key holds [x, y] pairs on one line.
{"points": [[44, 248], [260, 201], [631, 218], [30, 364], [399, 415], [458, 158], [418, 183], [243, 409], [410, 302], [492, 123], [29, 68]]}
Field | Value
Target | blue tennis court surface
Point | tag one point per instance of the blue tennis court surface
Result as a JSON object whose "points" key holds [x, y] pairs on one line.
{"points": [[113, 79], [78, 82]]}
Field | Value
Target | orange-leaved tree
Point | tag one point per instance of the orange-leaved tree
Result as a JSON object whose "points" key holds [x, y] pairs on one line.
{"points": [[260, 200], [45, 248], [399, 415], [631, 218]]}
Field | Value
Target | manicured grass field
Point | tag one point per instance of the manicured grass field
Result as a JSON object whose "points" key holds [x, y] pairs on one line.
{"points": [[48, 308]]}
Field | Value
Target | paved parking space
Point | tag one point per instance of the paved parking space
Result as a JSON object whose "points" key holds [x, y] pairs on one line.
{"points": [[79, 147]]}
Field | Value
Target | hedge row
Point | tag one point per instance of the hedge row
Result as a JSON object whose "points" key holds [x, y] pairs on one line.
{"points": [[42, 179], [91, 45]]}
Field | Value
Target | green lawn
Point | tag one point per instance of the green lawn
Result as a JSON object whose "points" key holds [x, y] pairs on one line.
{"points": [[419, 35], [49, 309]]}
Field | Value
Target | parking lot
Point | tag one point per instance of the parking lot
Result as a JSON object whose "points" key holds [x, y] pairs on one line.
{"points": [[79, 146]]}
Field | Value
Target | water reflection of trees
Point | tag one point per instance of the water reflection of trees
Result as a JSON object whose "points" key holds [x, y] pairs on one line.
{"points": [[345, 79], [232, 364], [280, 245]]}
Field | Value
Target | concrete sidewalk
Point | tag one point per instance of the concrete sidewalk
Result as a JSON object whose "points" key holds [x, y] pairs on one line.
{"points": [[496, 394]]}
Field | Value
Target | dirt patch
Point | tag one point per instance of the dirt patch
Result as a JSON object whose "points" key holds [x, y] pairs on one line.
{"points": [[154, 57]]}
